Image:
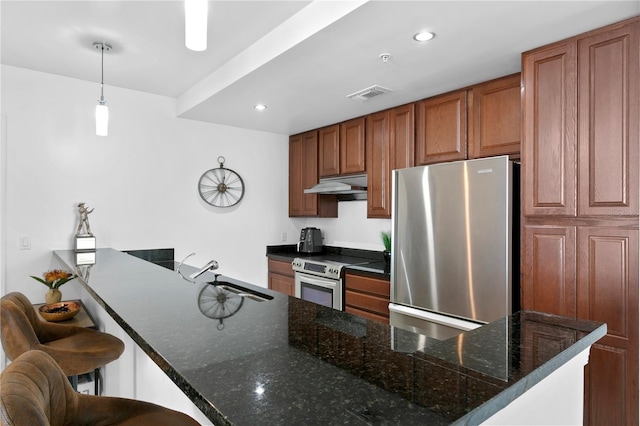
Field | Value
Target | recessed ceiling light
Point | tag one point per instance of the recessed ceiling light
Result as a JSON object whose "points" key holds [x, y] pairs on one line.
{"points": [[260, 107], [423, 36]]}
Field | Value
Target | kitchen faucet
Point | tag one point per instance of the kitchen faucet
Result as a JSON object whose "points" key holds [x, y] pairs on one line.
{"points": [[210, 266]]}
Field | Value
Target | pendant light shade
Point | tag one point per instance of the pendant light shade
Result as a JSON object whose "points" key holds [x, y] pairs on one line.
{"points": [[102, 111], [195, 24], [102, 119]]}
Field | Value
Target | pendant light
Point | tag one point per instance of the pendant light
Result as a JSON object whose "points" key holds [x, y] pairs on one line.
{"points": [[195, 24], [102, 111]]}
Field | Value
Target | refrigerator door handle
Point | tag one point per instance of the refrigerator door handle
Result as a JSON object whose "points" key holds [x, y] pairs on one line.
{"points": [[434, 318]]}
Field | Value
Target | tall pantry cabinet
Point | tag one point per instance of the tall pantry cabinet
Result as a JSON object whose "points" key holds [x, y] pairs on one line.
{"points": [[580, 161]]}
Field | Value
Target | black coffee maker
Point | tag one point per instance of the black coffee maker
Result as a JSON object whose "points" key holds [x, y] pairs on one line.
{"points": [[310, 240]]}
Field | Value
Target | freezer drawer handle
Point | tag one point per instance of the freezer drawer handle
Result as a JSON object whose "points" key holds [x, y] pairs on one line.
{"points": [[435, 318]]}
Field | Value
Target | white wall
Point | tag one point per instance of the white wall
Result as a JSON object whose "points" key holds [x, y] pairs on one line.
{"points": [[350, 229], [141, 179], [142, 182]]}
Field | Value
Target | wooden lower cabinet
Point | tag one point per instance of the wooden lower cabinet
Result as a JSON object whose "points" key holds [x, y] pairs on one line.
{"points": [[549, 269], [608, 292], [281, 277], [591, 272], [367, 297]]}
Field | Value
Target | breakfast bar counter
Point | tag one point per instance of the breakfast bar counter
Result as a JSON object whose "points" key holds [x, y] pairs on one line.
{"points": [[246, 355]]}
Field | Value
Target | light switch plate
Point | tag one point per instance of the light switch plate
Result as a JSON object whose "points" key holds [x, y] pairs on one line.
{"points": [[25, 242]]}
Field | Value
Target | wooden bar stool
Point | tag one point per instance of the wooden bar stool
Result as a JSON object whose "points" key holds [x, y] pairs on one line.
{"points": [[77, 350], [34, 391]]}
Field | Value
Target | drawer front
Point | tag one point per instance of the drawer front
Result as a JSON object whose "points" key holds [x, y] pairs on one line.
{"points": [[280, 267], [375, 286], [367, 302]]}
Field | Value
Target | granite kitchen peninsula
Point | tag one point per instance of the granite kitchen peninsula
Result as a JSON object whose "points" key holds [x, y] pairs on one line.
{"points": [[268, 358]]}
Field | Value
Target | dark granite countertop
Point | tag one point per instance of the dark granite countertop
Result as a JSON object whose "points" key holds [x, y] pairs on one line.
{"points": [[287, 361]]}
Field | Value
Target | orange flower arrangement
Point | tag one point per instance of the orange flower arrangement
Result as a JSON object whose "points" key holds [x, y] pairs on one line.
{"points": [[55, 278]]}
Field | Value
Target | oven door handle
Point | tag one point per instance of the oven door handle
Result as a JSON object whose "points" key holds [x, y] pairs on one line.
{"points": [[320, 282]]}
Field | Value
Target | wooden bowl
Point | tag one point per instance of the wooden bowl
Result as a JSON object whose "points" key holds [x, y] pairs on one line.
{"points": [[60, 311]]}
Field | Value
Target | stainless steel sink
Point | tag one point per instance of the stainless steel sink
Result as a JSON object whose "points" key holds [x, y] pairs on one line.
{"points": [[241, 291]]}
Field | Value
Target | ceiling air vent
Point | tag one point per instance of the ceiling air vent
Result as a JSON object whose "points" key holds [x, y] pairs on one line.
{"points": [[368, 93]]}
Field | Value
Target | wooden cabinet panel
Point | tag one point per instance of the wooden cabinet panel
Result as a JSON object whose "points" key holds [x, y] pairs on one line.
{"points": [[549, 265], [282, 284], [495, 117], [342, 148], [280, 267], [367, 296], [378, 165], [389, 146], [607, 402], [367, 301], [549, 148], [329, 151], [309, 172], [370, 285], [281, 277], [303, 173], [441, 128], [608, 278], [609, 132], [608, 292], [295, 175], [352, 146], [402, 136]]}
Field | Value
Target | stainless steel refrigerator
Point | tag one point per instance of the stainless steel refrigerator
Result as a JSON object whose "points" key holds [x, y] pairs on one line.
{"points": [[455, 246]]}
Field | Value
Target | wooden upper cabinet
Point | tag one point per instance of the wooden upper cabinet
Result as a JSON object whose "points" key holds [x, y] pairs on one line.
{"points": [[378, 165], [329, 151], [303, 173], [441, 128], [389, 146], [342, 148], [402, 136], [608, 131], [352, 146], [494, 118], [549, 130]]}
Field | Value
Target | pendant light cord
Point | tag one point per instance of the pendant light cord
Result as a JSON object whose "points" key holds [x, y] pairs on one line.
{"points": [[102, 74]]}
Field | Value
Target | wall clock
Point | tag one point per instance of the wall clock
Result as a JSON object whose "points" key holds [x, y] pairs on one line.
{"points": [[221, 187]]}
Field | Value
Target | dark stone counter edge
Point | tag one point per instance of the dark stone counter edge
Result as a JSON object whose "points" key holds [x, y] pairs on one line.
{"points": [[504, 398], [202, 403]]}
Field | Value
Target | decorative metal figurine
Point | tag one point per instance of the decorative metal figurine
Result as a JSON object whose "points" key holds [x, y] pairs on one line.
{"points": [[85, 242], [84, 220]]}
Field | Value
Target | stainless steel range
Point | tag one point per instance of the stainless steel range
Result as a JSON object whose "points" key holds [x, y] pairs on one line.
{"points": [[319, 279]]}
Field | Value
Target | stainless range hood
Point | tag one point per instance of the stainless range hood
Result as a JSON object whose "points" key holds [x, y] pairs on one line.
{"points": [[345, 188]]}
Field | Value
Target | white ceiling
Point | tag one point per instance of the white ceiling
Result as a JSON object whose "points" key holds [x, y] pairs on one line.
{"points": [[301, 58]]}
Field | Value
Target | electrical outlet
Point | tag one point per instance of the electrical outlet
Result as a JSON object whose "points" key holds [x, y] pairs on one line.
{"points": [[283, 237]]}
